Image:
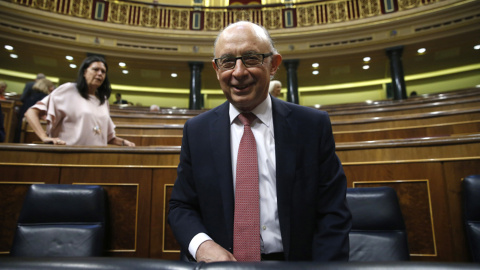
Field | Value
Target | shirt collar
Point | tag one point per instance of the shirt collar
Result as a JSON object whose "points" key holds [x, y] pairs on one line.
{"points": [[263, 111]]}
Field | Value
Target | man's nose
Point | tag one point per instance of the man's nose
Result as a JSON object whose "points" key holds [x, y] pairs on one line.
{"points": [[239, 67]]}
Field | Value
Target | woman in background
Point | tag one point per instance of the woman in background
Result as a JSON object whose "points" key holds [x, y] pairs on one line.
{"points": [[40, 89], [77, 113]]}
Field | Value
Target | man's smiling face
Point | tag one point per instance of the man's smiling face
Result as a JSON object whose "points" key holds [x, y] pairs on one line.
{"points": [[245, 87]]}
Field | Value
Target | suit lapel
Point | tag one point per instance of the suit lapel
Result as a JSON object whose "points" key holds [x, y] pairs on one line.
{"points": [[285, 149], [220, 143]]}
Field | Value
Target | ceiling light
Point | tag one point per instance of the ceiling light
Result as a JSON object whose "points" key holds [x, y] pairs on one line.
{"points": [[421, 50], [8, 48], [366, 67], [476, 47], [73, 66], [122, 64], [174, 75], [69, 58], [315, 72], [315, 65], [367, 59], [12, 55], [125, 71]]}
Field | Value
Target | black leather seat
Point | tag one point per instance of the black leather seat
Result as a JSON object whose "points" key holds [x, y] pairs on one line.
{"points": [[61, 220], [471, 213], [92, 263], [378, 229]]}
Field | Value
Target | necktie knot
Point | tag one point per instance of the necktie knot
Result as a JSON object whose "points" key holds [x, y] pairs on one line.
{"points": [[247, 118]]}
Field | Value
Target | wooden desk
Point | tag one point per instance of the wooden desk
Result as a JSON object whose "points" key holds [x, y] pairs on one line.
{"points": [[149, 119], [407, 120], [407, 109], [10, 119], [135, 180], [451, 95]]}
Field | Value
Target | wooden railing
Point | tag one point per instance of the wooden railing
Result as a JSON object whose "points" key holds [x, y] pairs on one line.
{"points": [[450, 114], [144, 131], [200, 18]]}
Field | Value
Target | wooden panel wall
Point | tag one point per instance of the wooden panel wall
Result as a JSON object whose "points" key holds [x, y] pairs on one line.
{"points": [[128, 176], [10, 119]]}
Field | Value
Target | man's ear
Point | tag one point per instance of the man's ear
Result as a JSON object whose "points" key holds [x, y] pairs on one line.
{"points": [[216, 68], [276, 61]]}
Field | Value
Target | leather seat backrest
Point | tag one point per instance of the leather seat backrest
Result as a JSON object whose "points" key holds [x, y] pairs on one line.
{"points": [[61, 220], [378, 229], [471, 213]]}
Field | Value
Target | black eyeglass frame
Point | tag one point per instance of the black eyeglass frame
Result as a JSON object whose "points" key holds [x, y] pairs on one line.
{"points": [[264, 55]]}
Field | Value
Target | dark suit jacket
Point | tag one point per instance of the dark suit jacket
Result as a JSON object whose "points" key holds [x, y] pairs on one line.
{"points": [[26, 90], [311, 185]]}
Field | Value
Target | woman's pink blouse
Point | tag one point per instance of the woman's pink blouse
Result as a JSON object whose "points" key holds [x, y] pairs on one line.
{"points": [[76, 120]]}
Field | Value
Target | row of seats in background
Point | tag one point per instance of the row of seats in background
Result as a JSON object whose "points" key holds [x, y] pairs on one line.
{"points": [[70, 221], [454, 113]]}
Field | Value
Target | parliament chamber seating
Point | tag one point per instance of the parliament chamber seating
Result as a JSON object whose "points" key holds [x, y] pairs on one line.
{"points": [[471, 195], [422, 162], [456, 95], [61, 221], [428, 124], [407, 108], [443, 114], [378, 229]]}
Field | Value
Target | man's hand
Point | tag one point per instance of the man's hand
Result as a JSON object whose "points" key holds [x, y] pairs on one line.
{"points": [[209, 251]]}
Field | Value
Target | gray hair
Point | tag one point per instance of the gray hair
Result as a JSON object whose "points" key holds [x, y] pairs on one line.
{"points": [[272, 85]]}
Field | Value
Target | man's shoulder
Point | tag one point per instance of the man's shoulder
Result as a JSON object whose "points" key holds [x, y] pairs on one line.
{"points": [[298, 109], [212, 113]]}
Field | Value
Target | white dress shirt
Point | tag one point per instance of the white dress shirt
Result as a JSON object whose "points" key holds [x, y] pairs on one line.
{"points": [[262, 129]]}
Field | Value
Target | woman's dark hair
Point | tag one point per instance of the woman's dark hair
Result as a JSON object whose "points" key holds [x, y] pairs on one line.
{"points": [[104, 91]]}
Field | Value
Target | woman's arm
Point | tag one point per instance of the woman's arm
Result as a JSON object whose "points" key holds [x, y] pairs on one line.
{"points": [[33, 118], [121, 142]]}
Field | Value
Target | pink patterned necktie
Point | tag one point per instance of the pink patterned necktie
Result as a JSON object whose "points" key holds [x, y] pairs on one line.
{"points": [[246, 239]]}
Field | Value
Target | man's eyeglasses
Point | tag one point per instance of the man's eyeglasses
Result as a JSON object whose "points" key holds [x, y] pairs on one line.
{"points": [[249, 60]]}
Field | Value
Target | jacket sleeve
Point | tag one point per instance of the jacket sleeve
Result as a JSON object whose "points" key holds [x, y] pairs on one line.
{"points": [[331, 238], [184, 214]]}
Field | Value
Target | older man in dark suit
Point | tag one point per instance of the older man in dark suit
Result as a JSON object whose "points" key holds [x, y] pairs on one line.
{"points": [[303, 214]]}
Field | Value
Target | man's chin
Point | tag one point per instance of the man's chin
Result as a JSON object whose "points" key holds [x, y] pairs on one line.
{"points": [[241, 102]]}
